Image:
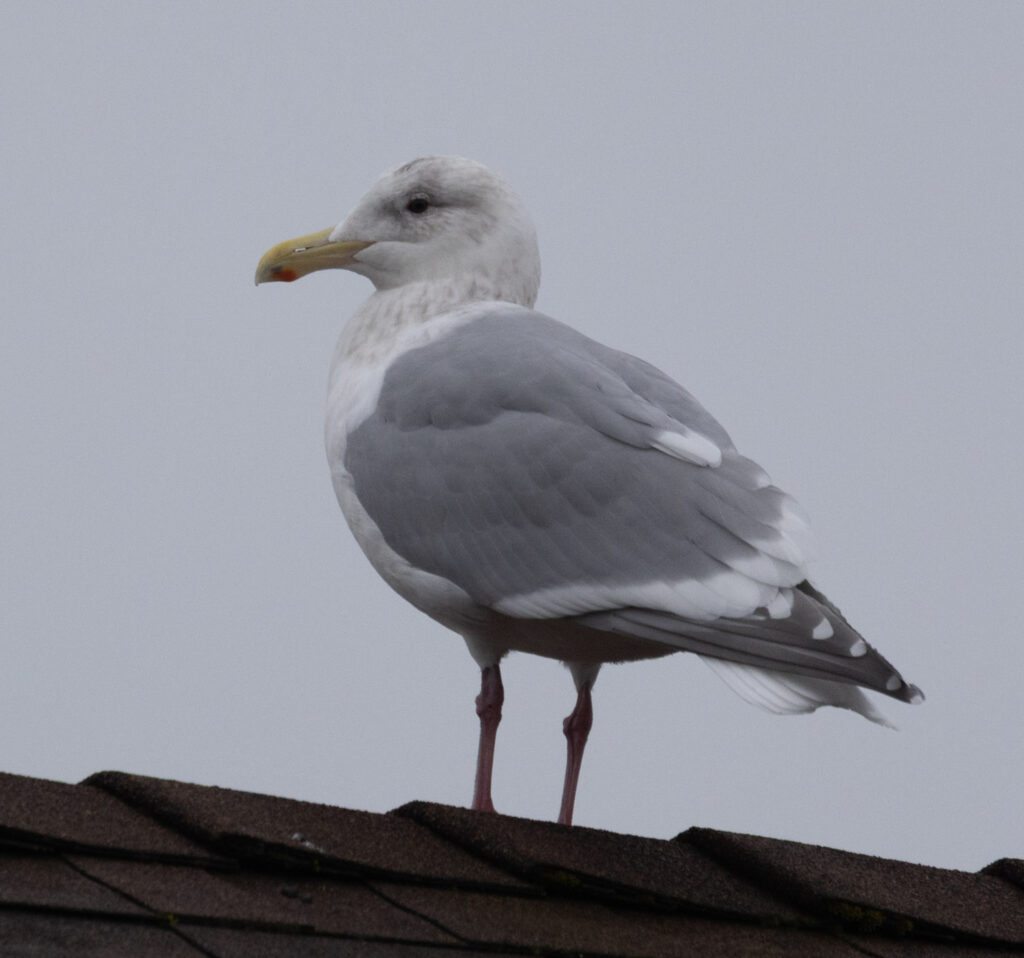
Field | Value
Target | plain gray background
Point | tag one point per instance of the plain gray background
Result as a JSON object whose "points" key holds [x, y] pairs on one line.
{"points": [[809, 213]]}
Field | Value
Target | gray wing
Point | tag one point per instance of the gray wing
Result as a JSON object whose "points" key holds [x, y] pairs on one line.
{"points": [[537, 470], [512, 457]]}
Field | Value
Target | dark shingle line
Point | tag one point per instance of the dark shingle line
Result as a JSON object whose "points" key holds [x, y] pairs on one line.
{"points": [[150, 920], [164, 921], [334, 841], [34, 843], [551, 856], [178, 923], [269, 858], [416, 913], [120, 892], [860, 947], [870, 895], [263, 901], [594, 928], [178, 933]]}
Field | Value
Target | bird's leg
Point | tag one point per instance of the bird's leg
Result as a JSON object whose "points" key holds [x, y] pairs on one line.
{"points": [[488, 707], [576, 728]]}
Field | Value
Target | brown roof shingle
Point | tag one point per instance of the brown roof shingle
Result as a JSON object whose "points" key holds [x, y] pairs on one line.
{"points": [[588, 862], [128, 865], [875, 894]]}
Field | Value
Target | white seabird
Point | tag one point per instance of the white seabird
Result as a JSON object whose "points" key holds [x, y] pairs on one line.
{"points": [[536, 491]]}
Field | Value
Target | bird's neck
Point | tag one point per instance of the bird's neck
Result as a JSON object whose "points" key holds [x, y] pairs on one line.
{"points": [[392, 315]]}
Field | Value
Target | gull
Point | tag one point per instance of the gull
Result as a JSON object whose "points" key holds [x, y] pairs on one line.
{"points": [[536, 491]]}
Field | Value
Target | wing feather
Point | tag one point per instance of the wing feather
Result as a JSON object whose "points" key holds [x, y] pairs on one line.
{"points": [[548, 476], [521, 461]]}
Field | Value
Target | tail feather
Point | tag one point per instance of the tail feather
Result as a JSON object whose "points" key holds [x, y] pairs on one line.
{"points": [[786, 694], [786, 663]]}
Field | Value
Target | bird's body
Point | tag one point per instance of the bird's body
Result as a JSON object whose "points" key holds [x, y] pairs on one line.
{"points": [[536, 491]]}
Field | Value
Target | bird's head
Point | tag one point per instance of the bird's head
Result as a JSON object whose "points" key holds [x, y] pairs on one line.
{"points": [[440, 219]]}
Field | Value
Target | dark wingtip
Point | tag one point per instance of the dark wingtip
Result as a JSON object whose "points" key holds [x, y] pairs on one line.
{"points": [[906, 692]]}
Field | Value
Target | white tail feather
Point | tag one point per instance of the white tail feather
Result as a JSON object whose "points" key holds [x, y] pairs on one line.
{"points": [[785, 694]]}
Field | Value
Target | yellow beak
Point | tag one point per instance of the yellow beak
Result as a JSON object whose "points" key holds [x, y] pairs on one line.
{"points": [[296, 257]]}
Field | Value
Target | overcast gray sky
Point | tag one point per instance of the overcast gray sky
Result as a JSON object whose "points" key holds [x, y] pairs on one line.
{"points": [[808, 213]]}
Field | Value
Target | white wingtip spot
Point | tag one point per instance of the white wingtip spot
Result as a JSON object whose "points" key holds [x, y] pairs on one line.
{"points": [[689, 446], [823, 630], [859, 648], [782, 605]]}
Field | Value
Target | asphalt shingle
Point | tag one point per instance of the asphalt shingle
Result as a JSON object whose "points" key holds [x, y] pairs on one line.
{"points": [[243, 943], [38, 812], [593, 928], [50, 882], [48, 935], [588, 861], [302, 834], [294, 902], [1009, 869], [873, 894], [128, 865]]}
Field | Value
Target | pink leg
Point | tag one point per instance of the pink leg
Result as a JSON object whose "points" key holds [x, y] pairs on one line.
{"points": [[576, 728], [488, 707]]}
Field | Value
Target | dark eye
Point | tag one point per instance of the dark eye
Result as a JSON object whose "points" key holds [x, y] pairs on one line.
{"points": [[418, 204]]}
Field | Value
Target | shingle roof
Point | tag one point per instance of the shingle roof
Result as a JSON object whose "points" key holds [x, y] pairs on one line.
{"points": [[126, 865]]}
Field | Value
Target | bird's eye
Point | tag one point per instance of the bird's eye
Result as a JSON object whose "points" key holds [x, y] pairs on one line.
{"points": [[418, 204]]}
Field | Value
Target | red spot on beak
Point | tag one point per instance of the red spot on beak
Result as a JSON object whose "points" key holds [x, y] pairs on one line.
{"points": [[286, 275]]}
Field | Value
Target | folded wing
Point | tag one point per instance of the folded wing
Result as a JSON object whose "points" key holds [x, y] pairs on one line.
{"points": [[549, 476]]}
